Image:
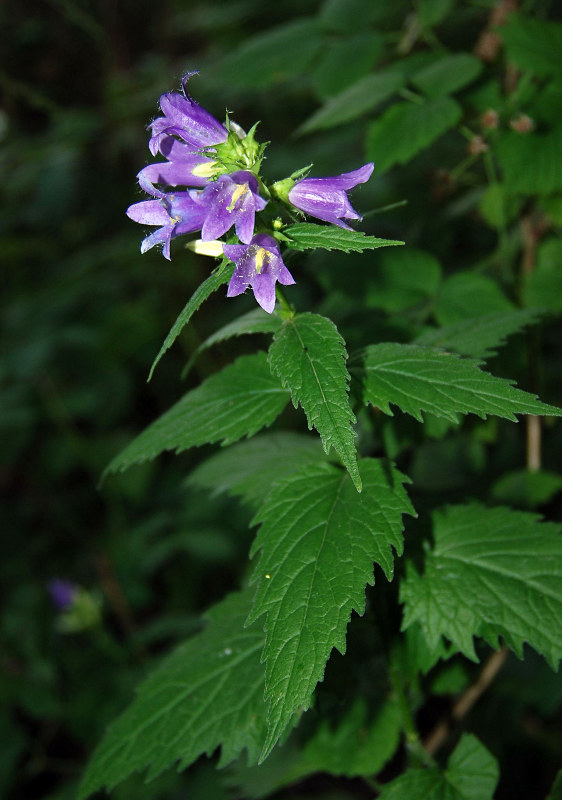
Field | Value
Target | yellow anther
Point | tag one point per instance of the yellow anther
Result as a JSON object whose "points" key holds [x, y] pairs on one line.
{"points": [[237, 194], [261, 258], [205, 170]]}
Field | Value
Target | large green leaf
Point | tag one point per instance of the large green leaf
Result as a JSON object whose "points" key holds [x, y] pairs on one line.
{"points": [[309, 236], [250, 469], [491, 572], [235, 402], [407, 128], [207, 693], [417, 379], [401, 278], [531, 163], [467, 295], [543, 286], [534, 44], [318, 541], [308, 354], [471, 774], [448, 74], [363, 96], [345, 60], [479, 336], [220, 276]]}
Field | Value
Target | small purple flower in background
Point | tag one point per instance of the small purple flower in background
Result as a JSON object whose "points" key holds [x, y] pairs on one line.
{"points": [[259, 265], [187, 120], [62, 593], [177, 213], [326, 198], [178, 170], [232, 200]]}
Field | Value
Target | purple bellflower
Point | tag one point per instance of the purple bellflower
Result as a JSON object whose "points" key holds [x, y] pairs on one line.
{"points": [[177, 213], [232, 200], [187, 120], [259, 265], [178, 170], [326, 198], [62, 593]]}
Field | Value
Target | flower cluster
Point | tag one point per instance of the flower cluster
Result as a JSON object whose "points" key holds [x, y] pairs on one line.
{"points": [[216, 168]]}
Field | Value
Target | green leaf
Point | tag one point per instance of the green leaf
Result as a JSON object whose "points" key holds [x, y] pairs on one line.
{"points": [[235, 402], [340, 16], [318, 540], [525, 489], [407, 128], [344, 61], [250, 469], [432, 12], [471, 774], [308, 236], [359, 98], [420, 379], [448, 74], [403, 278], [479, 336], [262, 60], [255, 321], [308, 354], [491, 572], [216, 279], [556, 790], [531, 163], [533, 44], [543, 286], [207, 693], [469, 295]]}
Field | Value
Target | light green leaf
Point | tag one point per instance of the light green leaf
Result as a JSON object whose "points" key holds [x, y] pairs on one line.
{"points": [[525, 489], [407, 128], [308, 354], [479, 336], [318, 541], [531, 163], [216, 279], [534, 44], [403, 278], [308, 236], [491, 572], [207, 693], [235, 402], [262, 60], [359, 98], [448, 74], [420, 379], [250, 469], [471, 774], [469, 295]]}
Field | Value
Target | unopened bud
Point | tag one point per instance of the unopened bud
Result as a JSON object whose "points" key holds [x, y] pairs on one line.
{"points": [[212, 248]]}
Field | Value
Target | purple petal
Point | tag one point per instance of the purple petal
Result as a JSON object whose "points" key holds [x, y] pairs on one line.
{"points": [[345, 181], [264, 291], [148, 212], [198, 127], [62, 593], [233, 251], [161, 236]]}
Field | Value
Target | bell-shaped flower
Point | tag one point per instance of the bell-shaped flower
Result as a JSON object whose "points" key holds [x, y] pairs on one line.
{"points": [[187, 120], [259, 265], [232, 200], [183, 167], [177, 213], [326, 198]]}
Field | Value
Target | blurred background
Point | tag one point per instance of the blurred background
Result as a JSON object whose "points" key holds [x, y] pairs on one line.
{"points": [[83, 315]]}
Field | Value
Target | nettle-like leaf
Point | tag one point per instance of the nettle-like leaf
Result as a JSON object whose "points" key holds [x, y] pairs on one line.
{"points": [[236, 402], [479, 337], [447, 74], [534, 44], [318, 541], [216, 279], [403, 277], [407, 128], [417, 379], [207, 693], [491, 572], [309, 236], [531, 164], [308, 354], [467, 295], [359, 98], [250, 469], [472, 774]]}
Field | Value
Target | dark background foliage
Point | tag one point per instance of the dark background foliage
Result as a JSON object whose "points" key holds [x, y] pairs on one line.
{"points": [[83, 316]]}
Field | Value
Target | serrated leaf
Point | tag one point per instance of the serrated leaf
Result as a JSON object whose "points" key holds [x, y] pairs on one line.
{"points": [[447, 74], [491, 572], [534, 44], [467, 295], [531, 163], [479, 337], [407, 128], [308, 236], [417, 379], [403, 278], [318, 541], [236, 402], [308, 354], [207, 693], [524, 489], [359, 98], [471, 774], [216, 279], [255, 321], [250, 469]]}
